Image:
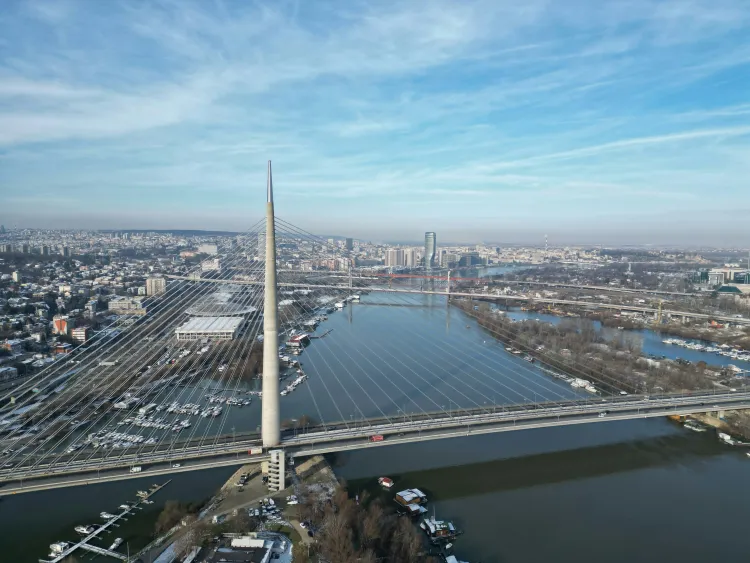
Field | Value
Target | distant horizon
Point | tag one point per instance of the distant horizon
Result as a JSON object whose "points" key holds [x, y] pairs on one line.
{"points": [[414, 242]]}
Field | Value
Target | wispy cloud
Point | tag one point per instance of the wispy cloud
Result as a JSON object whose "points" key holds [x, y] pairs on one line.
{"points": [[427, 108]]}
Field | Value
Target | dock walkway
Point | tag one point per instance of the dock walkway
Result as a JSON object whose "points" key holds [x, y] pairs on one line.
{"points": [[84, 543]]}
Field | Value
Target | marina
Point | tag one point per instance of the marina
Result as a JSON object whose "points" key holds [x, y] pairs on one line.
{"points": [[62, 549], [711, 348]]}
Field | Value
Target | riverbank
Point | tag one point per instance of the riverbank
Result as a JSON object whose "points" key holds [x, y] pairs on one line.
{"points": [[737, 337], [614, 364]]}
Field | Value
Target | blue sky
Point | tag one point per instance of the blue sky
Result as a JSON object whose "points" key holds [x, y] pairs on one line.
{"points": [[593, 121]]}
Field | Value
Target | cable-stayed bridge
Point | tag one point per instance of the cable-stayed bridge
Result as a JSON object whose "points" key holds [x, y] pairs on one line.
{"points": [[177, 388]]}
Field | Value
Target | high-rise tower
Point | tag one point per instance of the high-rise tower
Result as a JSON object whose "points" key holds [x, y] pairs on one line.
{"points": [[270, 418], [430, 245]]}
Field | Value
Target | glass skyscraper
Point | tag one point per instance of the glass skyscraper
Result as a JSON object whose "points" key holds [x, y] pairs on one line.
{"points": [[430, 246]]}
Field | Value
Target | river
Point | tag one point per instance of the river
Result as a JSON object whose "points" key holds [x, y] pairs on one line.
{"points": [[644, 490]]}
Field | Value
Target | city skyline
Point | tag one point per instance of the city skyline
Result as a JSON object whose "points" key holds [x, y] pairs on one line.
{"points": [[595, 125]]}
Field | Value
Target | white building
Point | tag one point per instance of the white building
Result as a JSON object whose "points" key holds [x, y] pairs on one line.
{"points": [[410, 258], [155, 286], [276, 469], [80, 334], [127, 306], [210, 265], [394, 257], [214, 328]]}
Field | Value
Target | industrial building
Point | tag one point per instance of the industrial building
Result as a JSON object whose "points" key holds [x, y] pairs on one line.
{"points": [[208, 249], [127, 306], [214, 328]]}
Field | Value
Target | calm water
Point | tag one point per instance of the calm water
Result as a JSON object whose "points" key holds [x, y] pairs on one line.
{"points": [[651, 341], [644, 490]]}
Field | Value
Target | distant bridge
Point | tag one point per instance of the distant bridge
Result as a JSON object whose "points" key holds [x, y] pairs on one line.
{"points": [[488, 296]]}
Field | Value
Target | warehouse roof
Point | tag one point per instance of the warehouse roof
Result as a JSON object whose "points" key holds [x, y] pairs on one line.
{"points": [[211, 324]]}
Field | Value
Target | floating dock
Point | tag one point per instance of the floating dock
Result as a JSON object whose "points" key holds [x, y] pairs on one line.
{"points": [[84, 543]]}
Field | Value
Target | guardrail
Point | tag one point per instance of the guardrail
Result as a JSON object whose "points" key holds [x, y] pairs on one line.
{"points": [[632, 404]]}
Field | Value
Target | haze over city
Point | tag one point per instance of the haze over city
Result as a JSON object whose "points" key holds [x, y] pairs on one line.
{"points": [[592, 122]]}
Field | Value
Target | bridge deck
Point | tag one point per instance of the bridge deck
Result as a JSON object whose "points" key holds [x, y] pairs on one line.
{"points": [[332, 439]]}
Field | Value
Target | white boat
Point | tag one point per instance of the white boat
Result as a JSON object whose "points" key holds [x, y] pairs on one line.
{"points": [[57, 548], [726, 438], [107, 516], [84, 530], [116, 544]]}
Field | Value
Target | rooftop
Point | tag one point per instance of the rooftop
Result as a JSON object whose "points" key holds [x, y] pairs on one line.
{"points": [[211, 324]]}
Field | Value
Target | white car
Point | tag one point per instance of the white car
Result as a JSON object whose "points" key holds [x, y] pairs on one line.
{"points": [[303, 525], [292, 502], [176, 465]]}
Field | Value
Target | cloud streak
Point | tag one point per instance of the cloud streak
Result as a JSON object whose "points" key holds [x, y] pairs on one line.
{"points": [[555, 112]]}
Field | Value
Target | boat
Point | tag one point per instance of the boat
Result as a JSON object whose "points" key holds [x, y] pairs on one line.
{"points": [[107, 516], [439, 530], [413, 510], [411, 496], [142, 494], [115, 544], [124, 506], [85, 530], [726, 438], [694, 426], [385, 482], [58, 548]]}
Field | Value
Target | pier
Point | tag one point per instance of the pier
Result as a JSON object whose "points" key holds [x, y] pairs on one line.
{"points": [[326, 333], [84, 543]]}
